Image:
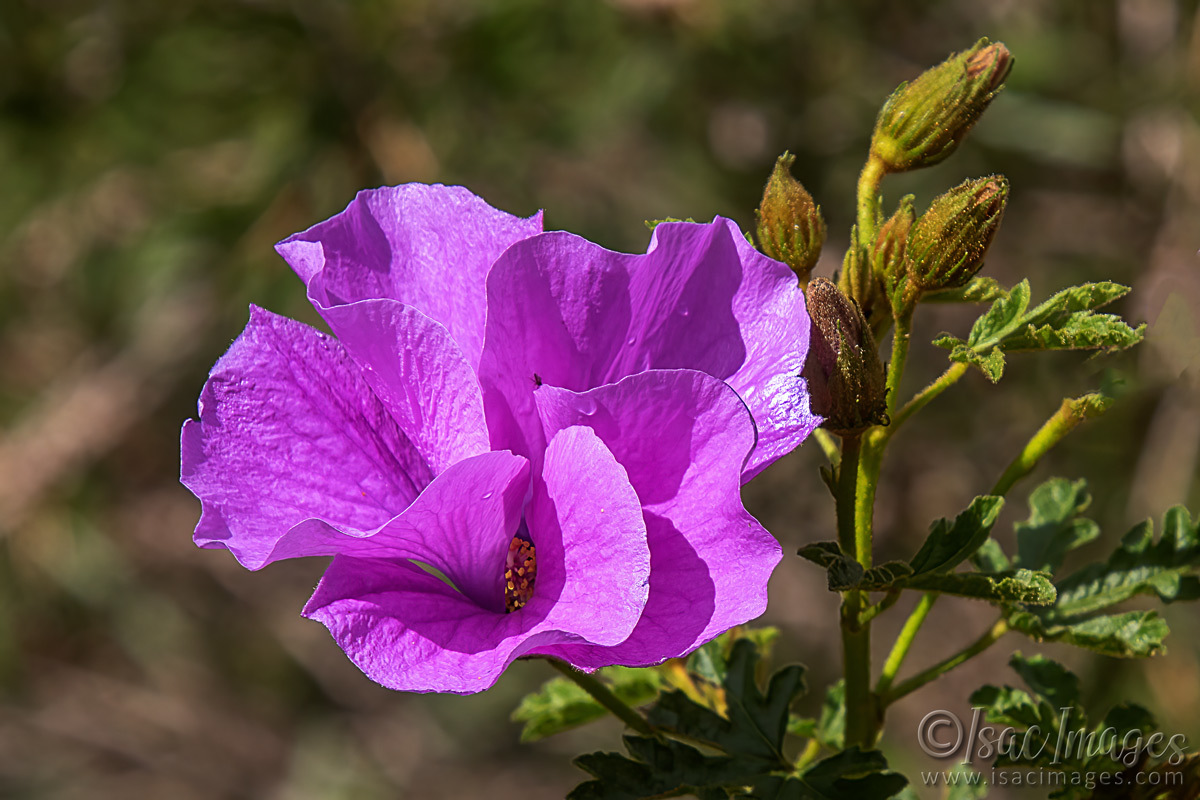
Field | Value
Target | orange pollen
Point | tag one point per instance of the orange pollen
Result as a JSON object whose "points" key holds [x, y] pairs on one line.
{"points": [[520, 572]]}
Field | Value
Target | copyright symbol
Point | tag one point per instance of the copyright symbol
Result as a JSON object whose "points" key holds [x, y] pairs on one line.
{"points": [[947, 743]]}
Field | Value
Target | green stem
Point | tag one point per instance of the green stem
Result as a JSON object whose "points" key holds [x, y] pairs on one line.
{"points": [[604, 696], [1069, 415], [942, 667], [900, 339], [856, 637], [829, 446], [926, 395], [875, 609], [868, 199], [904, 643], [846, 484]]}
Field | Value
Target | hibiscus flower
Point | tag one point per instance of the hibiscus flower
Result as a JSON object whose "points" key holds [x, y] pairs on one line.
{"points": [[515, 443]]}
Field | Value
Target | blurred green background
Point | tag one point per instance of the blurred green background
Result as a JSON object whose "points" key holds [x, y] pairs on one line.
{"points": [[152, 152]]}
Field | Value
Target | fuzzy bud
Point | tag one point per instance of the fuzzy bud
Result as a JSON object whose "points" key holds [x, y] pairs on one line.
{"points": [[887, 253], [924, 121], [947, 244], [845, 377], [790, 227]]}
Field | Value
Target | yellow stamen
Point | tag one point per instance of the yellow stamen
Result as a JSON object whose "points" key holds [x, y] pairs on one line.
{"points": [[520, 572]]}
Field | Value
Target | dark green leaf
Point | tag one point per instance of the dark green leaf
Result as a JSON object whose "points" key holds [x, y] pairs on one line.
{"points": [[1053, 527], [852, 773], [660, 768], [884, 576], [1047, 678], [990, 557], [1003, 588], [1134, 633], [948, 545], [710, 661], [561, 705]]}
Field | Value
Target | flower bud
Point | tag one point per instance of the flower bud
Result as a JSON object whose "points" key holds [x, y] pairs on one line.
{"points": [[846, 381], [947, 244], [924, 121], [859, 282], [790, 228], [887, 253]]}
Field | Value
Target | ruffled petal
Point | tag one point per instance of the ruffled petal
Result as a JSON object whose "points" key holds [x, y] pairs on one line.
{"points": [[568, 313], [409, 631], [289, 430], [419, 374], [683, 438], [429, 247], [294, 456]]}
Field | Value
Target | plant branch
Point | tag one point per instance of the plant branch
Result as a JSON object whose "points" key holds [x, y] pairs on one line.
{"points": [[604, 696], [942, 667], [926, 395], [904, 642], [1072, 412]]}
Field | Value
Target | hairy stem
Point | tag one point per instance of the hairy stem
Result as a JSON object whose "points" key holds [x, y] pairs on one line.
{"points": [[856, 637], [926, 395], [604, 696], [942, 667], [904, 643], [1066, 419], [868, 199]]}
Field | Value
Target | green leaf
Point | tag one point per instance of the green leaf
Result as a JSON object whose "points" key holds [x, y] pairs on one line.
{"points": [[990, 557], [1053, 527], [1085, 297], [1132, 634], [1002, 588], [863, 775], [990, 362], [659, 768], [711, 660], [654, 223], [1082, 330], [1140, 565], [948, 545], [978, 290], [1047, 678], [830, 728], [561, 705], [1004, 317], [885, 576], [845, 573]]}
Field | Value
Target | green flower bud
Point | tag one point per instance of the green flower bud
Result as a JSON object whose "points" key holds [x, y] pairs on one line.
{"points": [[924, 121], [861, 283], [790, 228], [845, 377], [887, 253], [947, 244]]}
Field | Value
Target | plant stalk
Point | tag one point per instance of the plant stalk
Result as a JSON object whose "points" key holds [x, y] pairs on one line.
{"points": [[942, 667], [604, 696]]}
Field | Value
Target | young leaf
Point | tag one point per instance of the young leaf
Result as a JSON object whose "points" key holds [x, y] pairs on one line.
{"points": [[830, 728], [1053, 527], [1082, 330], [561, 705], [1004, 317], [1002, 588], [990, 557], [948, 545], [1132, 634]]}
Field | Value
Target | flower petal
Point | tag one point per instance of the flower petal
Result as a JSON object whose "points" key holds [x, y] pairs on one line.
{"points": [[289, 430], [420, 375], [569, 313], [406, 630], [429, 247], [294, 456], [683, 438]]}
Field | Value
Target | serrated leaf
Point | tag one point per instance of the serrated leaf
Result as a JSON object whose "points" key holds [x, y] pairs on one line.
{"points": [[1001, 319], [1140, 565], [821, 553], [949, 544], [1128, 635], [1074, 299], [1003, 588], [843, 571], [990, 557], [1083, 330], [1054, 527], [711, 660], [990, 361], [979, 289], [885, 576], [561, 705], [863, 775], [659, 768], [1047, 678]]}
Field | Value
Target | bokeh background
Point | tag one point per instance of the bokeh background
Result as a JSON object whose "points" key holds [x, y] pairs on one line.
{"points": [[152, 152]]}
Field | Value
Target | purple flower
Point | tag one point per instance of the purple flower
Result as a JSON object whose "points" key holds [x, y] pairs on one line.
{"points": [[517, 444]]}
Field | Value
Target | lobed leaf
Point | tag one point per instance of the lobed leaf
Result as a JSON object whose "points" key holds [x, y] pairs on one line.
{"points": [[949, 544], [979, 289], [1131, 634], [561, 705], [1054, 527], [1002, 588]]}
